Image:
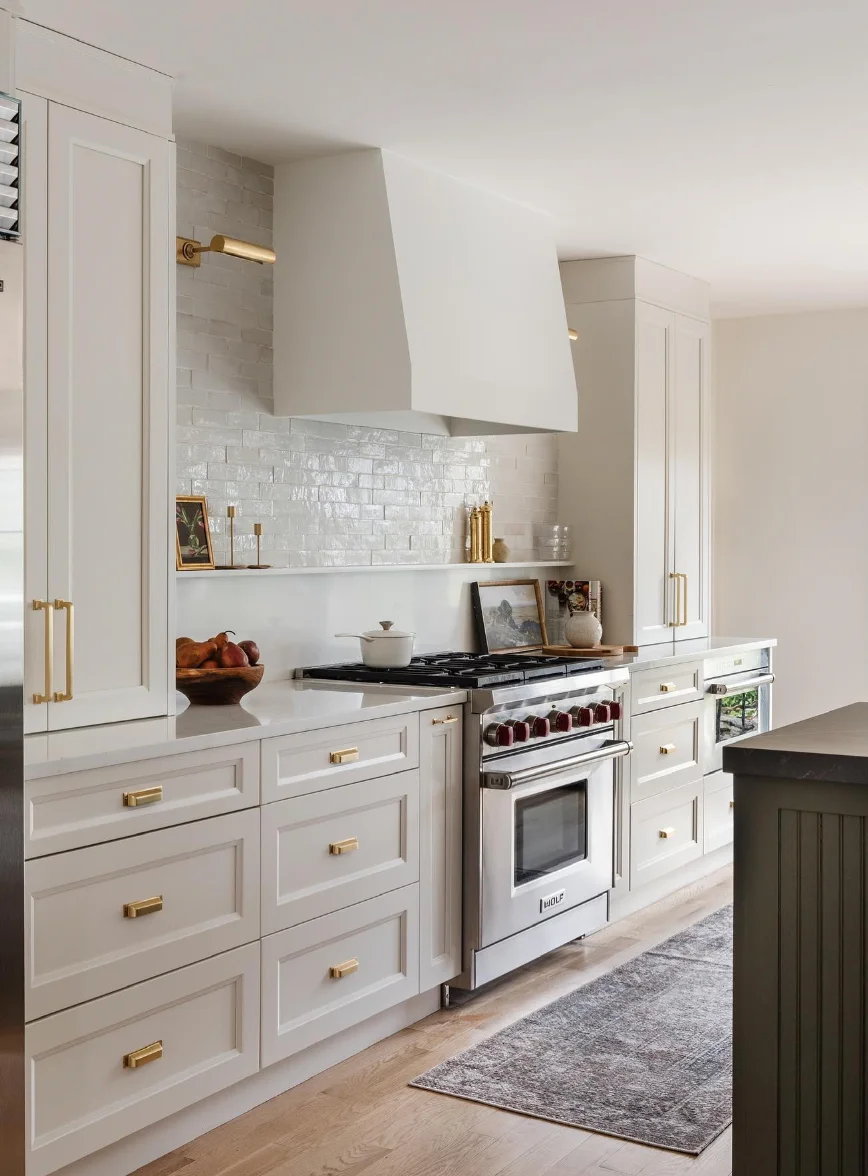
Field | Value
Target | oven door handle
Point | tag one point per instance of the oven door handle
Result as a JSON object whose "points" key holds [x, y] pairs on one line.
{"points": [[719, 689], [612, 749]]}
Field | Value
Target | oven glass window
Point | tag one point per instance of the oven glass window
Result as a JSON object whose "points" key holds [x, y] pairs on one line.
{"points": [[737, 715], [551, 831]]}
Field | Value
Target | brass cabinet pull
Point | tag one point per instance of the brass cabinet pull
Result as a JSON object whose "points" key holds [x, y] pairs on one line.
{"points": [[70, 650], [667, 748], [48, 608], [143, 796], [144, 906], [667, 687], [346, 846], [674, 624], [732, 804], [684, 578], [667, 832], [442, 722], [348, 756], [338, 971], [141, 1057]]}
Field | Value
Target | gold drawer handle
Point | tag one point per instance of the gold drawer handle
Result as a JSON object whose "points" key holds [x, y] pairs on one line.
{"points": [[48, 608], [345, 969], [346, 846], [144, 906], [667, 687], [442, 722], [349, 755], [667, 832], [143, 796], [667, 748], [141, 1057], [66, 605]]}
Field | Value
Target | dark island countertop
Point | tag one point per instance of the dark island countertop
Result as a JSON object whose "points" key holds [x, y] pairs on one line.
{"points": [[831, 747]]}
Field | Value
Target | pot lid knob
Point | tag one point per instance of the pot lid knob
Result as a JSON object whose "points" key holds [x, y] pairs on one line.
{"points": [[386, 625]]}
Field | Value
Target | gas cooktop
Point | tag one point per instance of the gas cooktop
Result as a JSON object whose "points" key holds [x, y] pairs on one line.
{"points": [[470, 670]]}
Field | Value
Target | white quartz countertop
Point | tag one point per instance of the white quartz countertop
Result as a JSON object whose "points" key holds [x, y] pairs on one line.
{"points": [[651, 656], [274, 708]]}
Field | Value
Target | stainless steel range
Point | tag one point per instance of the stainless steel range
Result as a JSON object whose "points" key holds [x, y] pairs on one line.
{"points": [[543, 749]]}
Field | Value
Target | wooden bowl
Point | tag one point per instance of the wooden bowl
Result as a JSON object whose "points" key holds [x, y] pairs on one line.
{"points": [[224, 687]]}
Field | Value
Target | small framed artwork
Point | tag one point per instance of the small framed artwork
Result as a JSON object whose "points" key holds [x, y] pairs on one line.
{"points": [[509, 616], [193, 550]]}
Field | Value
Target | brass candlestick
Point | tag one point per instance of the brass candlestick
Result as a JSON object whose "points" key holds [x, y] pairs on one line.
{"points": [[257, 531], [232, 565]]}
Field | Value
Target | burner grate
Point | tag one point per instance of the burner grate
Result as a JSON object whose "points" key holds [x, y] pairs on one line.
{"points": [[468, 670]]}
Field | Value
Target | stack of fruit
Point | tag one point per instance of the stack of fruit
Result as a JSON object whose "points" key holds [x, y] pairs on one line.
{"points": [[217, 671]]}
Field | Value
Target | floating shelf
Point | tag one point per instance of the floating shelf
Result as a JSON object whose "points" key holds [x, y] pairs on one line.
{"points": [[330, 571]]}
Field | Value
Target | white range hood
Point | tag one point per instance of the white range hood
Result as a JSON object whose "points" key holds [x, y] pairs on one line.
{"points": [[407, 299]]}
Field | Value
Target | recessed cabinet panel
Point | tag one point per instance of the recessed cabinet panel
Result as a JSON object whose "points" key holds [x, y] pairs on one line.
{"points": [[665, 833], [666, 749], [692, 482], [440, 761]]}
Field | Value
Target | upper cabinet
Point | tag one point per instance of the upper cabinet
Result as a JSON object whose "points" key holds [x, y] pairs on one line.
{"points": [[410, 298], [635, 482], [97, 226]]}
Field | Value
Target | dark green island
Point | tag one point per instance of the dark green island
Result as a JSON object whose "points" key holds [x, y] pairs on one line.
{"points": [[800, 1067]]}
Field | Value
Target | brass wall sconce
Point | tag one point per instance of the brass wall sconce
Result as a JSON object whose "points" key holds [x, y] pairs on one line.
{"points": [[189, 252]]}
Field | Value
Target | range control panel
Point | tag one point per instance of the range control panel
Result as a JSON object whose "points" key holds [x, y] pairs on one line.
{"points": [[559, 718]]}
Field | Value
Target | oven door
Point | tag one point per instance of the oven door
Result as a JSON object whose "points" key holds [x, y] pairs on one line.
{"points": [[735, 708], [547, 836]]}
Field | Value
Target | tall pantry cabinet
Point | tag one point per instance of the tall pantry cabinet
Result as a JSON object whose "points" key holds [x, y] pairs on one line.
{"points": [[635, 479], [97, 221]]}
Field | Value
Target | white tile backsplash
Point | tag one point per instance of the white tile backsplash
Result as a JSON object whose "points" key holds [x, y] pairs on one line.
{"points": [[327, 494]]}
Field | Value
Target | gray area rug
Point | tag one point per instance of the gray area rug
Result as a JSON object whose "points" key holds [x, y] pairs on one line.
{"points": [[644, 1052]]}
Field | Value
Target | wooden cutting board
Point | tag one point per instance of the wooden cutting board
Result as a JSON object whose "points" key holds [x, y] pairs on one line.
{"points": [[597, 651]]}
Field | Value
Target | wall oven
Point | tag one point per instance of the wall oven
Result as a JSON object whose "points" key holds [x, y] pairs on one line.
{"points": [[738, 702]]}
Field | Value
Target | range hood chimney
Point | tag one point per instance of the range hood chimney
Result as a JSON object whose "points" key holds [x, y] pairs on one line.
{"points": [[407, 299]]}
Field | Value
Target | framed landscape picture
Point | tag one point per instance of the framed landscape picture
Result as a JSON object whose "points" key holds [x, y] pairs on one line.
{"points": [[509, 616], [193, 550]]}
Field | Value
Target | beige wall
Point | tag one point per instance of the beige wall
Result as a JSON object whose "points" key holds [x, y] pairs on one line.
{"points": [[791, 499]]}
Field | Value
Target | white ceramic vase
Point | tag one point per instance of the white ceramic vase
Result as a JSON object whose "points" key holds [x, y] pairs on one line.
{"points": [[583, 630]]}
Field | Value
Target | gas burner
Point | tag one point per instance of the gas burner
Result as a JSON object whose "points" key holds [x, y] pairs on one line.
{"points": [[469, 670]]}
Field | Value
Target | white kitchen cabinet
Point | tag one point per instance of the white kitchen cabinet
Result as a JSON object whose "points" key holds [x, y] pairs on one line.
{"points": [[635, 481], [97, 219], [440, 759]]}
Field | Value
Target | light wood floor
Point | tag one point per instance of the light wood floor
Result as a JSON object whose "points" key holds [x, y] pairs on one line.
{"points": [[361, 1117]]}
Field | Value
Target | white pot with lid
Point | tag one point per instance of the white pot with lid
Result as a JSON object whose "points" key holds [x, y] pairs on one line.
{"points": [[386, 648]]}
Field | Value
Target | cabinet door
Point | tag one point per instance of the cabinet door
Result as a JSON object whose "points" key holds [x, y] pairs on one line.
{"points": [[654, 597], [108, 437], [34, 231], [440, 762], [689, 472]]}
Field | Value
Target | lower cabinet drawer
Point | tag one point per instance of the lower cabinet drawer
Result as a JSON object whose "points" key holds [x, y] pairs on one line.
{"points": [[666, 749], [102, 918], [719, 806], [655, 689], [325, 851], [665, 833], [196, 1031], [331, 973]]}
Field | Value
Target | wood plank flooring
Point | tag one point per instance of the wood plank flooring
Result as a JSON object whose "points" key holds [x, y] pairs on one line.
{"points": [[361, 1117]]}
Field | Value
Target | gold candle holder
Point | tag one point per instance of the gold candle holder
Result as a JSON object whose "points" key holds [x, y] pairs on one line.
{"points": [[257, 531], [232, 565]]}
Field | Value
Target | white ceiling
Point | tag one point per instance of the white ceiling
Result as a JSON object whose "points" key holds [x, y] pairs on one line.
{"points": [[726, 138]]}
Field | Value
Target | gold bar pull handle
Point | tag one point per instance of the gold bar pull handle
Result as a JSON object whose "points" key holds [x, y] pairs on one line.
{"points": [[684, 578], [143, 796], [70, 650], [732, 804], [144, 906], [667, 832], [338, 971], [667, 748], [346, 846], [48, 608], [141, 1057], [443, 722], [677, 601], [349, 755], [667, 687]]}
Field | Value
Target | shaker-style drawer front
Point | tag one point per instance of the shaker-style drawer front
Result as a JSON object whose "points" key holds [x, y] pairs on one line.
{"points": [[101, 918], [665, 833], [332, 849], [108, 1068], [295, 765], [719, 811], [85, 808], [666, 750], [655, 689], [324, 976]]}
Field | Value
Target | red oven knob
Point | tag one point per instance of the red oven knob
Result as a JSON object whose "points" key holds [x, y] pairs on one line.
{"points": [[602, 712], [615, 710], [499, 735], [539, 727], [560, 721], [583, 715], [520, 730]]}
